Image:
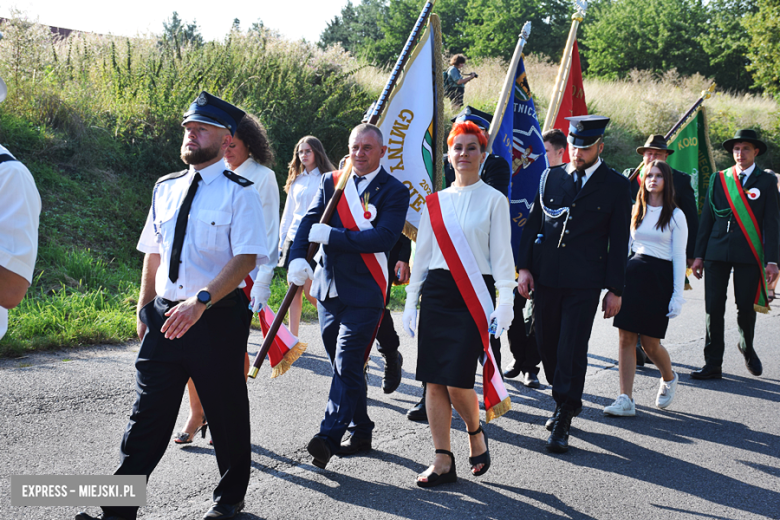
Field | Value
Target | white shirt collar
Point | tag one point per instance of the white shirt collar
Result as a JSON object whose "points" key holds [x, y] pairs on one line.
{"points": [[746, 172], [244, 166], [315, 171], [369, 177], [588, 172], [209, 173]]}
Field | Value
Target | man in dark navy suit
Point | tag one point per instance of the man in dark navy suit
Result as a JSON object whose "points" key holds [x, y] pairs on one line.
{"points": [[582, 216], [351, 301]]}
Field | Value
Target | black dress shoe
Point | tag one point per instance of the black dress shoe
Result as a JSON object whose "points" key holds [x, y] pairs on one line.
{"points": [[707, 372], [529, 379], [512, 373], [558, 442], [417, 412], [223, 511], [551, 421], [353, 444], [318, 448], [392, 377], [101, 516], [752, 362]]}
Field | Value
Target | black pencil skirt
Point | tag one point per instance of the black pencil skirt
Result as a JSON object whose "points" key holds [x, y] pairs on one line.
{"points": [[448, 342], [649, 288]]}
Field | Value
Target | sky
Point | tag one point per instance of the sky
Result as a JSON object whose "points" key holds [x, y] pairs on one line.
{"points": [[294, 19]]}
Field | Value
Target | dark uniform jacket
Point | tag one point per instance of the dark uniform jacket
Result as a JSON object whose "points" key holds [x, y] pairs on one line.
{"points": [[685, 199], [723, 242], [496, 173], [594, 248]]}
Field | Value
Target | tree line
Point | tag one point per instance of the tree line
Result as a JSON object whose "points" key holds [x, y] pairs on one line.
{"points": [[735, 42]]}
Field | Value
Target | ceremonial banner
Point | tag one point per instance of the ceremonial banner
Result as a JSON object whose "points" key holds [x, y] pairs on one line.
{"points": [[693, 154], [519, 141], [573, 99], [409, 124]]}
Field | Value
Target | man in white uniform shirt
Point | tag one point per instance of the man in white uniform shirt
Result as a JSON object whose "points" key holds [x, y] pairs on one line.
{"points": [[204, 234], [20, 208]]}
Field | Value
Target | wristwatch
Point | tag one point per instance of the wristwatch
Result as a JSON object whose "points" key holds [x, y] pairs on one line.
{"points": [[204, 297]]}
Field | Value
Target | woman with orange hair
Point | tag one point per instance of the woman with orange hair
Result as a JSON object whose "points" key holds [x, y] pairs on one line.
{"points": [[473, 219]]}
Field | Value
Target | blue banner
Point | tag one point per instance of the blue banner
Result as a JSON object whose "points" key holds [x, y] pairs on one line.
{"points": [[519, 141]]}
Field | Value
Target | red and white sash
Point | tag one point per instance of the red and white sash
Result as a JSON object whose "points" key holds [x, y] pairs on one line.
{"points": [[465, 271], [352, 215]]}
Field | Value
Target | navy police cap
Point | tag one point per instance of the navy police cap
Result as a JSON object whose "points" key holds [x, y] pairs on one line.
{"points": [[584, 131], [214, 111], [478, 117]]}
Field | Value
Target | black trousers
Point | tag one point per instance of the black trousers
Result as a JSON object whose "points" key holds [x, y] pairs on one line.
{"points": [[522, 338], [564, 321], [212, 354], [386, 337], [716, 282]]}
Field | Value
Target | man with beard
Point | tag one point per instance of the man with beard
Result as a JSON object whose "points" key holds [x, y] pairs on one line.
{"points": [[203, 235], [582, 214]]}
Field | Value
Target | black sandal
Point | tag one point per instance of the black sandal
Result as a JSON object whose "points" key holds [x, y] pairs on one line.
{"points": [[483, 459], [434, 479]]}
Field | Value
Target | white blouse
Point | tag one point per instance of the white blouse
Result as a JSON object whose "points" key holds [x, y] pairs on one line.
{"points": [[668, 244], [264, 180], [483, 214], [302, 192]]}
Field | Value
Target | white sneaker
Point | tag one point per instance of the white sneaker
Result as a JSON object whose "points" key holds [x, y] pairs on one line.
{"points": [[622, 407], [666, 392]]}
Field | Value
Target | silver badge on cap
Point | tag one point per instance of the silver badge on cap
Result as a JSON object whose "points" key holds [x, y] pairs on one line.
{"points": [[202, 100], [580, 126]]}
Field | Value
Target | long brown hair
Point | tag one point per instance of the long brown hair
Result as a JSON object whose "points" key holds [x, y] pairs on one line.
{"points": [[252, 133], [295, 168], [640, 206]]}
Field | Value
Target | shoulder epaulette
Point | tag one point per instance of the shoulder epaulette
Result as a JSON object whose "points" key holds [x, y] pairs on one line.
{"points": [[241, 181], [7, 157], [174, 175]]}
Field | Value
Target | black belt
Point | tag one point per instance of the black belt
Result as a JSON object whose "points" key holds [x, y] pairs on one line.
{"points": [[231, 300]]}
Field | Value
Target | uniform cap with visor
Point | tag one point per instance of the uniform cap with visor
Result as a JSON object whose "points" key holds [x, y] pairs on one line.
{"points": [[213, 111], [584, 131]]}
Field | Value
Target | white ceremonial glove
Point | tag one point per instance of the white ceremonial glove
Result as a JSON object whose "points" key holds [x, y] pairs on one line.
{"points": [[675, 307], [299, 271], [320, 234], [260, 293], [410, 318], [503, 316]]}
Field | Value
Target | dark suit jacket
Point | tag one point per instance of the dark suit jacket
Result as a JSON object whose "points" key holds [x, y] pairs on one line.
{"points": [[723, 242], [340, 261], [594, 247], [685, 199], [496, 173]]}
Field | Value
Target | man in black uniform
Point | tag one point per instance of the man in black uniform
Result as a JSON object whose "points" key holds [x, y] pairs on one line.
{"points": [[496, 173], [193, 320], [583, 216], [724, 245], [655, 149], [521, 336]]}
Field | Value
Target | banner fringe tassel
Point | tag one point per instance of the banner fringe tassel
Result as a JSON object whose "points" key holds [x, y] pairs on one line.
{"points": [[498, 410], [288, 359]]}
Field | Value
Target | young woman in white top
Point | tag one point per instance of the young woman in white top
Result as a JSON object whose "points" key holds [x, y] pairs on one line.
{"points": [[248, 155], [655, 279], [449, 342], [308, 164]]}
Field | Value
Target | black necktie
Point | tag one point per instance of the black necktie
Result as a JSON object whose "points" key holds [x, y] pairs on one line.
{"points": [[742, 178], [580, 178], [181, 228], [358, 180]]}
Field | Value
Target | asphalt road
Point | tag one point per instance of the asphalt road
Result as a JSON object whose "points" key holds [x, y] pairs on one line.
{"points": [[714, 454]]}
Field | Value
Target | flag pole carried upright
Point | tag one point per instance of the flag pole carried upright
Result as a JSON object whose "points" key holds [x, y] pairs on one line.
{"points": [[705, 94], [375, 112], [565, 67], [509, 84]]}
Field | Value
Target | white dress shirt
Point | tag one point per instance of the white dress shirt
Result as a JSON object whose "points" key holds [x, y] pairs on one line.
{"points": [[302, 192], [226, 220], [483, 214], [588, 171], [264, 180], [747, 172], [20, 209]]}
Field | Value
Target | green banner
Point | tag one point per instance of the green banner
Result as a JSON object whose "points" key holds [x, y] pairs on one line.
{"points": [[693, 154]]}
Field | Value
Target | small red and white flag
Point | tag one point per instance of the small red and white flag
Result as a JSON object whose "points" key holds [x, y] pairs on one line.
{"points": [[285, 349]]}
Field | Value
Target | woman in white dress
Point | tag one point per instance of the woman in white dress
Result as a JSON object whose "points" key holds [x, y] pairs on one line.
{"points": [[655, 279], [249, 156], [308, 164], [450, 342]]}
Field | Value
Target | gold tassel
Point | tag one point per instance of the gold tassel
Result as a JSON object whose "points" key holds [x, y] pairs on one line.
{"points": [[498, 410], [288, 359], [410, 231], [688, 274], [762, 310], [688, 287]]}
